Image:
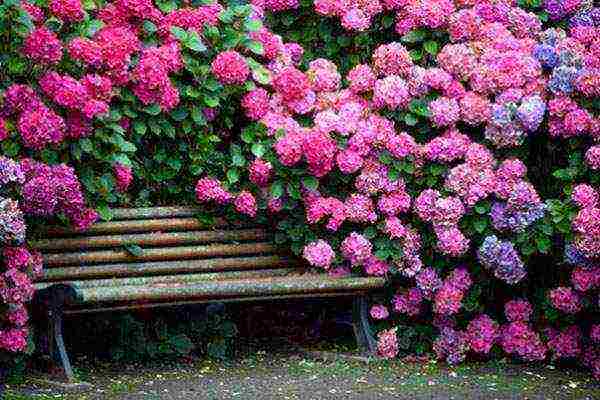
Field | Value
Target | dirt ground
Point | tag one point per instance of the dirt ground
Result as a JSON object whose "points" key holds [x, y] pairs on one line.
{"points": [[276, 371]]}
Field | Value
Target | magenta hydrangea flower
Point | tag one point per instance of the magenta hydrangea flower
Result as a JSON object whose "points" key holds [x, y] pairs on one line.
{"points": [[67, 10], [356, 248], [291, 83], [260, 172], [319, 254], [123, 177], [256, 103], [482, 333], [565, 299], [518, 310], [520, 339], [42, 45], [209, 189], [245, 203], [379, 311], [451, 345], [230, 68], [387, 343], [409, 302]]}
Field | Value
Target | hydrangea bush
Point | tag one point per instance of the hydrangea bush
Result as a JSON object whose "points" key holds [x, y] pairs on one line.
{"points": [[449, 146]]}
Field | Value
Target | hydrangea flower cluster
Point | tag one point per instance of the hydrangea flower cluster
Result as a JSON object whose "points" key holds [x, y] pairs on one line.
{"points": [[502, 260], [501, 75]]}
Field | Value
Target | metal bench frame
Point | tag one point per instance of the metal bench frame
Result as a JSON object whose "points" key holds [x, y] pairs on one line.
{"points": [[61, 290]]}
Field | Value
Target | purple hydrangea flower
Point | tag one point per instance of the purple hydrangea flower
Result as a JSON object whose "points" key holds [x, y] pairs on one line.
{"points": [[531, 112], [546, 55], [10, 172], [515, 220], [12, 225], [502, 259]]}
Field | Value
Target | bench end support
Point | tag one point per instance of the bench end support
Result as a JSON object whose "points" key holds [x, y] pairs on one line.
{"points": [[362, 328]]}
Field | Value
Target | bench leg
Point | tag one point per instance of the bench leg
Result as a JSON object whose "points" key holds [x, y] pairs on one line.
{"points": [[362, 328], [58, 351]]}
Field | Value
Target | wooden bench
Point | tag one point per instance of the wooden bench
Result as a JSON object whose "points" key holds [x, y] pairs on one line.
{"points": [[163, 256]]}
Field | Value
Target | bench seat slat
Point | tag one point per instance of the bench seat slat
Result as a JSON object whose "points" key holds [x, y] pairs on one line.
{"points": [[153, 212], [300, 284], [157, 254], [151, 239], [166, 267], [172, 279], [133, 306], [144, 225]]}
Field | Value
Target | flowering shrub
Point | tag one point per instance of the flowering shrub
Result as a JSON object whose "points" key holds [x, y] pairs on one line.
{"points": [[449, 146], [436, 158]]}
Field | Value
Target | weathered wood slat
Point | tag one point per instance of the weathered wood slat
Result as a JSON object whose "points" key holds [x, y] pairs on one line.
{"points": [[166, 267], [131, 226], [174, 280], [89, 308], [154, 212], [150, 239], [157, 254], [233, 288]]}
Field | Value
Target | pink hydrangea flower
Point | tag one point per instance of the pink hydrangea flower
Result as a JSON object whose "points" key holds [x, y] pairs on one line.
{"points": [[123, 177], [482, 333], [256, 104], [379, 311], [565, 299], [43, 46], [230, 68], [517, 310], [356, 248], [209, 189], [319, 254], [260, 172], [245, 203], [387, 343]]}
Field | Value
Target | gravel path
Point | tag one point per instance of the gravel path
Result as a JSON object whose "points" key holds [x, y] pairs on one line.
{"points": [[265, 372]]}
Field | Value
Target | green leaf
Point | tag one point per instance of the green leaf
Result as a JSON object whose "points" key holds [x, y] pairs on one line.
{"points": [[258, 150], [431, 46], [179, 33], [153, 109], [256, 47], [310, 182], [149, 26], [414, 36], [211, 101], [480, 225], [410, 119], [543, 244], [253, 25], [134, 250], [193, 42], [277, 189], [233, 175], [382, 254], [139, 127], [104, 212], [247, 135]]}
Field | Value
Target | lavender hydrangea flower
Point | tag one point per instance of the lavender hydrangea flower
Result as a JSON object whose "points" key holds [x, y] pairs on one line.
{"points": [[502, 259], [12, 225], [10, 172], [574, 256], [531, 112], [515, 220], [582, 18], [562, 79], [546, 55]]}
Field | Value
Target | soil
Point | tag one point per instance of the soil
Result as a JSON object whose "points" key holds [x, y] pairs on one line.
{"points": [[276, 370]]}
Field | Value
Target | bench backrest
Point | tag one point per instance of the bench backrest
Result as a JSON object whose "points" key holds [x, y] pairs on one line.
{"points": [[160, 245]]}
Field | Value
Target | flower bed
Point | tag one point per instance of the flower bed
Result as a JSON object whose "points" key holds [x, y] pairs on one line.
{"points": [[451, 146]]}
